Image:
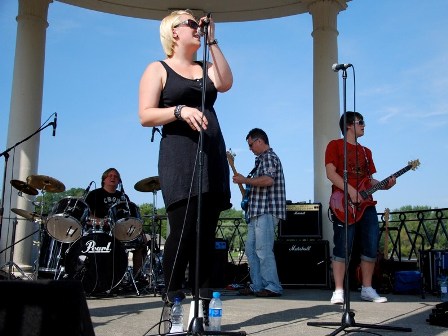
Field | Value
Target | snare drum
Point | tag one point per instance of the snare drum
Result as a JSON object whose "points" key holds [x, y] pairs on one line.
{"points": [[98, 260], [66, 219], [126, 219]]}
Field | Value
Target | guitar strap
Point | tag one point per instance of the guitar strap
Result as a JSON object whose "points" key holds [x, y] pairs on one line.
{"points": [[367, 162], [252, 172]]}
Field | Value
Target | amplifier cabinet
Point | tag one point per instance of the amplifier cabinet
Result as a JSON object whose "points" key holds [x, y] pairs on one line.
{"points": [[303, 220], [303, 263]]}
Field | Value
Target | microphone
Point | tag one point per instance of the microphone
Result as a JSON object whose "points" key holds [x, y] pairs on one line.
{"points": [[55, 120], [336, 67], [204, 24], [87, 190]]}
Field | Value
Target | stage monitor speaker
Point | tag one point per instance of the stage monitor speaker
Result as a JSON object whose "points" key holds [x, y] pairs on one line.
{"points": [[303, 220], [44, 307], [303, 263]]}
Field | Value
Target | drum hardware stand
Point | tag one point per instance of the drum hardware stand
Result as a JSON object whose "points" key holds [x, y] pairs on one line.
{"points": [[152, 275], [131, 276], [11, 263], [348, 317]]}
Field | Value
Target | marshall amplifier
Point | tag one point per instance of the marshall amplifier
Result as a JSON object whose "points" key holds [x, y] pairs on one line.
{"points": [[303, 263], [302, 221]]}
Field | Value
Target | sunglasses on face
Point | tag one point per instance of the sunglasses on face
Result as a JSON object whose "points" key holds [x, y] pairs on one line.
{"points": [[360, 122], [252, 143], [189, 23]]}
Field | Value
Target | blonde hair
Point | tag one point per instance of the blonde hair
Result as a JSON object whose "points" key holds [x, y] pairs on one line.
{"points": [[166, 30]]}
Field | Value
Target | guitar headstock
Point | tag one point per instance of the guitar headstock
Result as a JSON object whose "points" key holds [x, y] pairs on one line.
{"points": [[414, 164], [386, 214], [230, 156]]}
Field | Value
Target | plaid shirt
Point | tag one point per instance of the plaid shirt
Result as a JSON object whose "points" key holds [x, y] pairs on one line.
{"points": [[268, 200]]}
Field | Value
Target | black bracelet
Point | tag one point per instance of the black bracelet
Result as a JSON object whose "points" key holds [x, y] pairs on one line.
{"points": [[177, 110], [215, 41]]}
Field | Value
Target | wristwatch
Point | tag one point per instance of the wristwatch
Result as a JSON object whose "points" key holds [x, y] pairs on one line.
{"points": [[215, 41]]}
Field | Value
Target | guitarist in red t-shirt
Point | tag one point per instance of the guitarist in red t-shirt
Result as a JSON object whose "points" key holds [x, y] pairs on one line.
{"points": [[361, 213]]}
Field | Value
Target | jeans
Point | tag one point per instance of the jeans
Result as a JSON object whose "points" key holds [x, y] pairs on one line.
{"points": [[260, 253], [368, 234]]}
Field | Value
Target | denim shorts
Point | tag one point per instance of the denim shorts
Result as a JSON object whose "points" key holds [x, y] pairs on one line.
{"points": [[368, 232]]}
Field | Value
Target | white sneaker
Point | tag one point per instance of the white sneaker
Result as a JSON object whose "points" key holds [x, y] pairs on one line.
{"points": [[338, 297], [370, 294]]}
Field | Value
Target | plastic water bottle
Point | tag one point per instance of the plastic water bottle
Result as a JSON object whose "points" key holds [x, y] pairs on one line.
{"points": [[444, 289], [215, 312], [177, 317]]}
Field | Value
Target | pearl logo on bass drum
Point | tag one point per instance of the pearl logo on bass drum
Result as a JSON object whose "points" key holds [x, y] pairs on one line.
{"points": [[92, 248]]}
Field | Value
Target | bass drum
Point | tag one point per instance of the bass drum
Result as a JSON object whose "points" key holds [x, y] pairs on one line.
{"points": [[98, 260]]}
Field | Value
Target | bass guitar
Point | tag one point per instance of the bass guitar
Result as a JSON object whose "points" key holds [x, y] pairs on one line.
{"points": [[356, 210], [244, 191]]}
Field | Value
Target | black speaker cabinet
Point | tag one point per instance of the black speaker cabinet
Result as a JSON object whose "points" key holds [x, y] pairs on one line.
{"points": [[303, 263], [303, 220], [44, 307]]}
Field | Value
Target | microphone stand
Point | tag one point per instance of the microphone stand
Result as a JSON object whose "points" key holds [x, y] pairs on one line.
{"points": [[196, 326], [6, 156], [348, 317]]}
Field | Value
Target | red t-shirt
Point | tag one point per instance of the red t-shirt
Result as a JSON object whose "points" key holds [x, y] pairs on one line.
{"points": [[355, 172]]}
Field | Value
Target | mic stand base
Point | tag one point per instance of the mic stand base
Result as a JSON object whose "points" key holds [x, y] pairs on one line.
{"points": [[348, 321]]}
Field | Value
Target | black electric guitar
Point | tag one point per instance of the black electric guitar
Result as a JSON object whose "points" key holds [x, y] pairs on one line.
{"points": [[356, 210], [244, 191]]}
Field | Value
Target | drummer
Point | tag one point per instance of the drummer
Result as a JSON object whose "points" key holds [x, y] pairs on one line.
{"points": [[101, 200]]}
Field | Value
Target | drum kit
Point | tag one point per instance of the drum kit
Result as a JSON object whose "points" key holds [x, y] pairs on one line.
{"points": [[73, 245]]}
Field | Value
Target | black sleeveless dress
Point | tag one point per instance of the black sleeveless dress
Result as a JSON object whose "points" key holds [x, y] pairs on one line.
{"points": [[178, 155]]}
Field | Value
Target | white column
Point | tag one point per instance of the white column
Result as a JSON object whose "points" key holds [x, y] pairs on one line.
{"points": [[326, 106], [24, 119]]}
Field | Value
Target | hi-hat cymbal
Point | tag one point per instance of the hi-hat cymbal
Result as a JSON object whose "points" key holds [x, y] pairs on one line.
{"points": [[32, 216], [148, 184], [46, 183], [24, 187]]}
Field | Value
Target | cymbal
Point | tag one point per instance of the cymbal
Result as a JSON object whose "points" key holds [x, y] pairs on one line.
{"points": [[46, 183], [148, 184], [26, 214], [24, 187]]}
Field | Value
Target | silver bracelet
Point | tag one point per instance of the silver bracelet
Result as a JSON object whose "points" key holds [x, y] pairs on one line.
{"points": [[177, 110]]}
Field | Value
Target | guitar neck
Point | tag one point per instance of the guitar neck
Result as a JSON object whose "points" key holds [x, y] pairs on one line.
{"points": [[383, 183], [386, 234], [243, 191]]}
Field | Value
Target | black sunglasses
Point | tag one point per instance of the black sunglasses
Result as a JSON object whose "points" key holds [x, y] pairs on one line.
{"points": [[190, 23]]}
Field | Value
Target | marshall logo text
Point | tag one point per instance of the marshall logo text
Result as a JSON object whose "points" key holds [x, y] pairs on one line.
{"points": [[295, 248]]}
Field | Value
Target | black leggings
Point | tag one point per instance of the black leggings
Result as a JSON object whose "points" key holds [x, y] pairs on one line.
{"points": [[174, 269]]}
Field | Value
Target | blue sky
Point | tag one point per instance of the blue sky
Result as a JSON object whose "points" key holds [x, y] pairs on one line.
{"points": [[94, 62]]}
